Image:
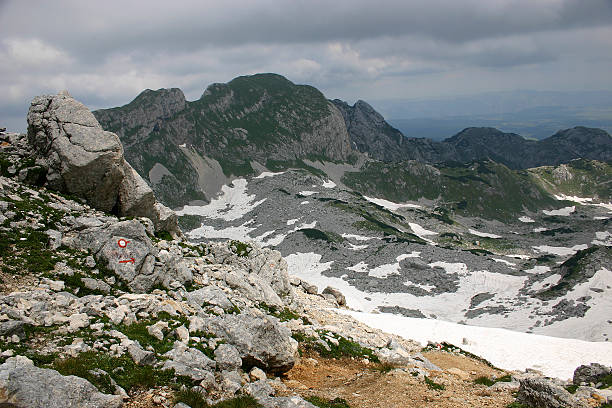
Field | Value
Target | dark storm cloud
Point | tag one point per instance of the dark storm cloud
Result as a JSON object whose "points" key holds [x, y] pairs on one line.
{"points": [[105, 53]]}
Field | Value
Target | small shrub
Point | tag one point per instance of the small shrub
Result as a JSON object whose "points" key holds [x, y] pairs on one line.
{"points": [[433, 385], [163, 235], [484, 381], [383, 367], [322, 403], [241, 249], [194, 399], [571, 388]]}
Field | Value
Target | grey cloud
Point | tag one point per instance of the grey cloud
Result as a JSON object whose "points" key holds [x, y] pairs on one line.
{"points": [[105, 53]]}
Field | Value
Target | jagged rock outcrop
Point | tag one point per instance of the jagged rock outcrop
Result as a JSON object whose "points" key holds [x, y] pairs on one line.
{"points": [[25, 386], [591, 374], [82, 159], [260, 340], [538, 392]]}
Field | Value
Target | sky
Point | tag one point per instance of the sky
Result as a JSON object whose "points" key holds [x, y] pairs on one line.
{"points": [[106, 53]]}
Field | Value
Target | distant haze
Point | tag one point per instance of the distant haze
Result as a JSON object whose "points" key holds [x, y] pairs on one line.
{"points": [[533, 114], [105, 53]]}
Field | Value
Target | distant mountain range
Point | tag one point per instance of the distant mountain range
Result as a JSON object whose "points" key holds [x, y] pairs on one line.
{"points": [[371, 134]]}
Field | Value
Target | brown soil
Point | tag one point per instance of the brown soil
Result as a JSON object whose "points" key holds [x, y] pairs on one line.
{"points": [[10, 282], [362, 386]]}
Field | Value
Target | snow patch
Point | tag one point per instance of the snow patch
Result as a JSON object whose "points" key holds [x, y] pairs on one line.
{"points": [[503, 348], [329, 184], [389, 205], [562, 251], [483, 234], [184, 145], [418, 230], [293, 221], [540, 229], [526, 219], [240, 232], [563, 212], [357, 237], [538, 269], [504, 261], [580, 200], [304, 202], [233, 203], [308, 266], [268, 174], [360, 267], [354, 247], [546, 283], [307, 193], [603, 238]]}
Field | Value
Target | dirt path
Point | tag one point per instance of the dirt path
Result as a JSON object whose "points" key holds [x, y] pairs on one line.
{"points": [[362, 386]]}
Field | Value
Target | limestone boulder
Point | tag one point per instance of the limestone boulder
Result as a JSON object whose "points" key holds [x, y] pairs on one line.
{"points": [[24, 385], [540, 392], [84, 160], [260, 340]]}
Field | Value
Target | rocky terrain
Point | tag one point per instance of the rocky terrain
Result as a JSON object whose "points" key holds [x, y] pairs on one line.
{"points": [[107, 304], [416, 260]]}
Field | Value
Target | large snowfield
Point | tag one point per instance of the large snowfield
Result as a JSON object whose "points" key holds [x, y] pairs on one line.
{"points": [[506, 349]]}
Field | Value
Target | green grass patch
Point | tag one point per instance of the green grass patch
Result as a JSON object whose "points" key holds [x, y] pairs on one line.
{"points": [[123, 370], [324, 403], [344, 348], [316, 234], [490, 381], [163, 235], [242, 249], [284, 314]]}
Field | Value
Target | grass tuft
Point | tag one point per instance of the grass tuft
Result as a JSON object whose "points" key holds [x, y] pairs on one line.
{"points": [[322, 403]]}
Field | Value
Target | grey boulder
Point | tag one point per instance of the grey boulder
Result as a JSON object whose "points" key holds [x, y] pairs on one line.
{"points": [[26, 386], [188, 362], [227, 357], [83, 159], [261, 341], [340, 299], [540, 392], [590, 374]]}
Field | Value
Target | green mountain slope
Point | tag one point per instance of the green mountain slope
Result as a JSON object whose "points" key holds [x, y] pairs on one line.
{"points": [[582, 178], [260, 118], [485, 188]]}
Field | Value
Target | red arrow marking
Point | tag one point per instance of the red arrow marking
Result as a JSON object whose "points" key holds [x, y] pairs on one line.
{"points": [[127, 260], [122, 243]]}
